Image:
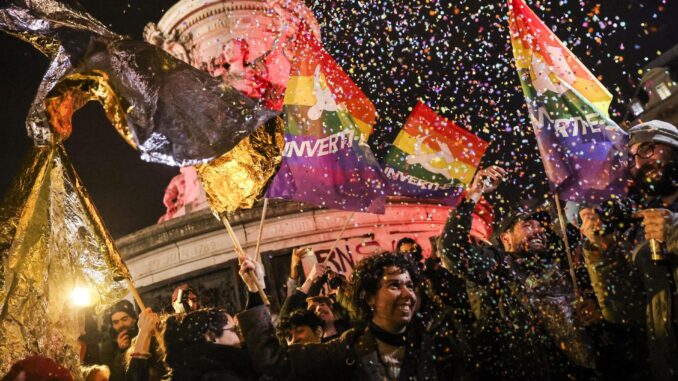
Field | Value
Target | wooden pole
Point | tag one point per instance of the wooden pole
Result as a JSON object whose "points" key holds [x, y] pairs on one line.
{"points": [[242, 255], [135, 294], [563, 228], [336, 242], [261, 230]]}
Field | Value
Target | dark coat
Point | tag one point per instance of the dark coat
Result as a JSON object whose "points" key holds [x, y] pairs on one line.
{"points": [[353, 356], [114, 358], [211, 362], [632, 289], [526, 328]]}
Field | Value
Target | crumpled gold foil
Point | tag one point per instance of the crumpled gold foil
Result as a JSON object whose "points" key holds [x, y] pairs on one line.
{"points": [[236, 179], [51, 240], [74, 91]]}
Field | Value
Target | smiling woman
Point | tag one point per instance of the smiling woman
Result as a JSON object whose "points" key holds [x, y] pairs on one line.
{"points": [[396, 344]]}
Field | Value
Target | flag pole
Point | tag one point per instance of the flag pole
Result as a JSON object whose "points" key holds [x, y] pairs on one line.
{"points": [[242, 255], [135, 293], [563, 228], [261, 230], [336, 242]]}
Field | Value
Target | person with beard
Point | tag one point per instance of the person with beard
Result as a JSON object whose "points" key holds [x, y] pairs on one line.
{"points": [[529, 322], [632, 287], [123, 328]]}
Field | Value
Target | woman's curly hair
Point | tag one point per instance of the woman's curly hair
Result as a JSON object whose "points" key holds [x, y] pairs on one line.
{"points": [[366, 280]]}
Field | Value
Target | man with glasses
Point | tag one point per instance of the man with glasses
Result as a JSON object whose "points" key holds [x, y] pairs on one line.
{"points": [[633, 262]]}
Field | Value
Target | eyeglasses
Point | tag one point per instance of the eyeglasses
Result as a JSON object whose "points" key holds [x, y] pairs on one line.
{"points": [[645, 151]]}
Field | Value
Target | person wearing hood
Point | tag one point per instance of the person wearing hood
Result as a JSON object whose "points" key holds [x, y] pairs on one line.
{"points": [[528, 311]]}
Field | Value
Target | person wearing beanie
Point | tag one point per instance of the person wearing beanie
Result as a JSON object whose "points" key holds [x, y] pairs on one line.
{"points": [[634, 264], [122, 319]]}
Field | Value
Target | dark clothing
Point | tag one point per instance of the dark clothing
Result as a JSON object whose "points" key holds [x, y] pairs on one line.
{"points": [[204, 362], [297, 300], [527, 324], [633, 290], [114, 358], [353, 356], [139, 369]]}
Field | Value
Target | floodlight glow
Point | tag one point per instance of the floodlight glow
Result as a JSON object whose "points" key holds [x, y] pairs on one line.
{"points": [[81, 297]]}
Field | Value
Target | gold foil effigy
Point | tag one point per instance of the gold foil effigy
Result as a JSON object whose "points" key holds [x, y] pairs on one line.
{"points": [[171, 112], [236, 179], [51, 241]]}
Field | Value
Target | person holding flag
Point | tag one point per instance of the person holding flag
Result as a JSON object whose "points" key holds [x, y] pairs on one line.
{"points": [[528, 319], [585, 158]]}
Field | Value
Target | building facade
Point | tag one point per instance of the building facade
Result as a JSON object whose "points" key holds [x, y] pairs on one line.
{"points": [[196, 249]]}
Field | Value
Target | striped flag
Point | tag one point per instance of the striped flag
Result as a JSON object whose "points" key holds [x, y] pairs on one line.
{"points": [[432, 158], [326, 159], [582, 149]]}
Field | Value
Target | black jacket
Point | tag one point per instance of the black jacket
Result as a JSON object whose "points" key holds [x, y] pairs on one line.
{"points": [[209, 361], [634, 290], [526, 313], [353, 356], [114, 358]]}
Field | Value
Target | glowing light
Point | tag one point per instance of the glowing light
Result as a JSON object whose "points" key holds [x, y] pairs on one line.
{"points": [[81, 297]]}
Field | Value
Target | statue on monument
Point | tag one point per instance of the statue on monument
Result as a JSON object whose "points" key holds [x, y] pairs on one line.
{"points": [[243, 42]]}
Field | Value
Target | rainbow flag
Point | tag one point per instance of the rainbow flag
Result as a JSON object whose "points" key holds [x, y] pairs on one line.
{"points": [[582, 149], [432, 158], [326, 159]]}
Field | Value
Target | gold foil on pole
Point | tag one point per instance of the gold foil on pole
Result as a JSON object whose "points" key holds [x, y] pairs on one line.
{"points": [[51, 241], [236, 179]]}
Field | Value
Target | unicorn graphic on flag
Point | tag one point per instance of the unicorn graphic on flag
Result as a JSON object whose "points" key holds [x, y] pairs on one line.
{"points": [[324, 98], [431, 161]]}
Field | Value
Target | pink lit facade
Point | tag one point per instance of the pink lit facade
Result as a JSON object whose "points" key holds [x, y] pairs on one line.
{"points": [[239, 41]]}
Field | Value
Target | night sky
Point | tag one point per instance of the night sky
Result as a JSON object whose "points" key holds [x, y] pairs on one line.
{"points": [[453, 55]]}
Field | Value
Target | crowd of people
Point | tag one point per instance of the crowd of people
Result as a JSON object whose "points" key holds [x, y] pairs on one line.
{"points": [[521, 308]]}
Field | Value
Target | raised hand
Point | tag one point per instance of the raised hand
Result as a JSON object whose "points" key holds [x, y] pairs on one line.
{"points": [[148, 321], [655, 222], [251, 272], [486, 180], [592, 228]]}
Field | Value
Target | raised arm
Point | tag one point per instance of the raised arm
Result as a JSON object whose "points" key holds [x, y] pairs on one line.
{"points": [[458, 254], [298, 361], [311, 287]]}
